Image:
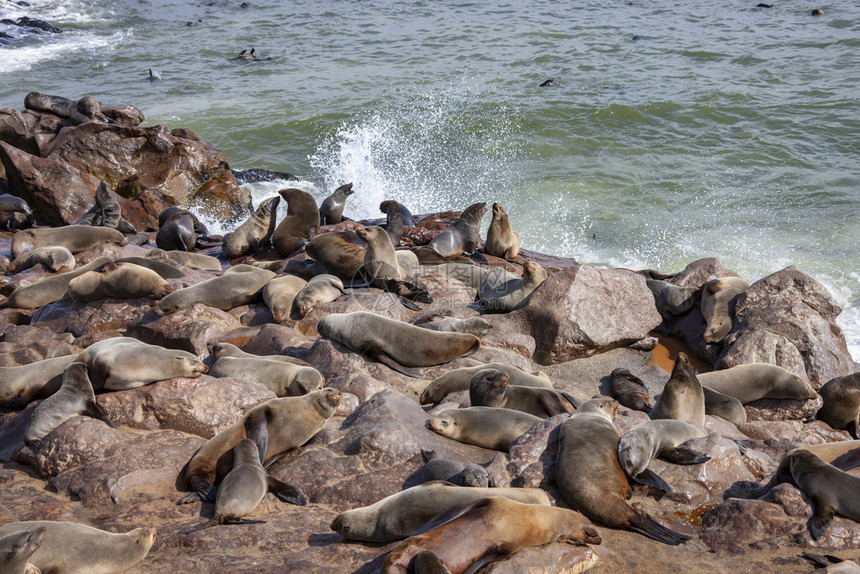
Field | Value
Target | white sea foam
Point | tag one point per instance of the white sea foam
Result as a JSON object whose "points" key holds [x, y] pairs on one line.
{"points": [[17, 59]]}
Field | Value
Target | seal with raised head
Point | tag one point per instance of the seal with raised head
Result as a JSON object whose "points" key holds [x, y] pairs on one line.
{"points": [[15, 213], [55, 259], [319, 290], [279, 294], [331, 210], [74, 398], [463, 235], [717, 305], [254, 232], [118, 280], [460, 379], [122, 363], [300, 224], [276, 426], [49, 289], [244, 487], [754, 381], [20, 385], [501, 239], [397, 516], [471, 535], [75, 238], [487, 427], [219, 350], [177, 233], [16, 549], [662, 438], [381, 266], [490, 388], [106, 212], [394, 226], [239, 287], [396, 344], [841, 408], [682, 397], [282, 378], [514, 293], [832, 491], [629, 390], [190, 260], [590, 477], [477, 326], [453, 472], [389, 206]]}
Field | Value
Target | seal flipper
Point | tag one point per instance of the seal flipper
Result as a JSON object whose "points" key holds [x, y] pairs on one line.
{"points": [[427, 562], [552, 407], [821, 519], [92, 410], [478, 258], [848, 460], [650, 478], [493, 556], [684, 455], [257, 429], [645, 525], [286, 492], [571, 399], [203, 490], [202, 526], [383, 357]]}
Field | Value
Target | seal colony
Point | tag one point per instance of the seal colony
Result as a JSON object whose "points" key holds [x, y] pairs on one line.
{"points": [[179, 351]]}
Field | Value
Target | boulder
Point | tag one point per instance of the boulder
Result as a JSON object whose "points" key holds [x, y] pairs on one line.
{"points": [[191, 329]]}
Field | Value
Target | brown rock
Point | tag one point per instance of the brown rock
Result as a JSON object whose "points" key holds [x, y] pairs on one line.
{"points": [[532, 456], [81, 318], [556, 558], [782, 409], [191, 329]]}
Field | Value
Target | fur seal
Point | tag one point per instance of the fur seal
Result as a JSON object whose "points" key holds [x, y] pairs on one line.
{"points": [[219, 350], [487, 427], [682, 397], [671, 300], [319, 290], [718, 298], [331, 210], [230, 290], [122, 363], [501, 239], [463, 235], [49, 289], [394, 226], [244, 487], [337, 254], [629, 390], [75, 397], [279, 294], [471, 535], [831, 490], [394, 343], [397, 516], [389, 206], [55, 259], [460, 379], [381, 266], [164, 270], [75, 238], [169, 212], [57, 105], [20, 385], [514, 293], [255, 232], [754, 381], [276, 426], [282, 378], [300, 224], [16, 549], [662, 438], [841, 408], [590, 477], [190, 260], [490, 388], [11, 207], [106, 212], [80, 549], [453, 472], [118, 280], [477, 326], [724, 406], [177, 233]]}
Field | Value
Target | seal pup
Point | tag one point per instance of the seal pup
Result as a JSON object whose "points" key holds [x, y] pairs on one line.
{"points": [[16, 549], [463, 235], [282, 378], [276, 426], [244, 487], [662, 438], [219, 350], [122, 363], [832, 491], [106, 212], [725, 407], [682, 397], [56, 259], [841, 407], [118, 280], [237, 286], [254, 232], [74, 398], [754, 381], [177, 233], [73, 548], [319, 290], [300, 224], [490, 388], [49, 289], [471, 535], [501, 239], [671, 300], [487, 427], [279, 294], [396, 344], [460, 380], [190, 260], [12, 206], [718, 297], [390, 206], [590, 477], [477, 326], [453, 472], [75, 238], [397, 516], [512, 294], [331, 210], [629, 390], [40, 379]]}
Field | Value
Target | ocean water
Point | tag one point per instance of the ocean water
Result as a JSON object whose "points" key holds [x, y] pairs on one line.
{"points": [[673, 130]]}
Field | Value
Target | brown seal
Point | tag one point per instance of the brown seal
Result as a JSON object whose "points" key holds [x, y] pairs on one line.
{"points": [[724, 406], [16, 549], [629, 390], [237, 286], [514, 293], [682, 397], [168, 213], [106, 212], [190, 260], [255, 232], [841, 408], [397, 516], [490, 388], [219, 350], [486, 427], [754, 381], [319, 290], [331, 210], [477, 326], [279, 294], [118, 280], [396, 344], [276, 426], [338, 253], [453, 472], [177, 233], [15, 213], [832, 491], [501, 239], [55, 259], [662, 438], [474, 534], [381, 265], [282, 378], [460, 379], [390, 206], [671, 300], [590, 477], [301, 222], [463, 235], [20, 385], [75, 238], [718, 297], [49, 289]]}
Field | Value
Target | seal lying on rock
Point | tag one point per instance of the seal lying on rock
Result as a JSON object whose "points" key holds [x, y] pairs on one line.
{"points": [[16, 549], [754, 381], [235, 287], [319, 290], [841, 408], [486, 427], [662, 438], [717, 308], [279, 294], [629, 390], [49, 289], [20, 385], [190, 260], [56, 259], [75, 238], [490, 388], [118, 280], [282, 378], [219, 350], [477, 326], [453, 472], [460, 380], [15, 213], [514, 293]]}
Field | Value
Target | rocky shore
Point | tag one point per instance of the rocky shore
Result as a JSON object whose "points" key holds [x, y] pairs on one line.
{"points": [[577, 326]]}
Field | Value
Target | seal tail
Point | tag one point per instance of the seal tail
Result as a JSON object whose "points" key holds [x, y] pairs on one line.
{"points": [[644, 524]]}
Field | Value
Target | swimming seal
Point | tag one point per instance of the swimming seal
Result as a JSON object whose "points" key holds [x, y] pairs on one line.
{"points": [[396, 344], [254, 232], [501, 239], [754, 381], [718, 298], [463, 235], [832, 491], [682, 397], [487, 427], [16, 549], [662, 438], [55, 259], [460, 379], [331, 210], [282, 378], [20, 385], [474, 534], [319, 290], [490, 388], [397, 516], [590, 477], [118, 280], [301, 222], [279, 294], [237, 286], [841, 408], [629, 390], [75, 238], [74, 398], [177, 233], [276, 426]]}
